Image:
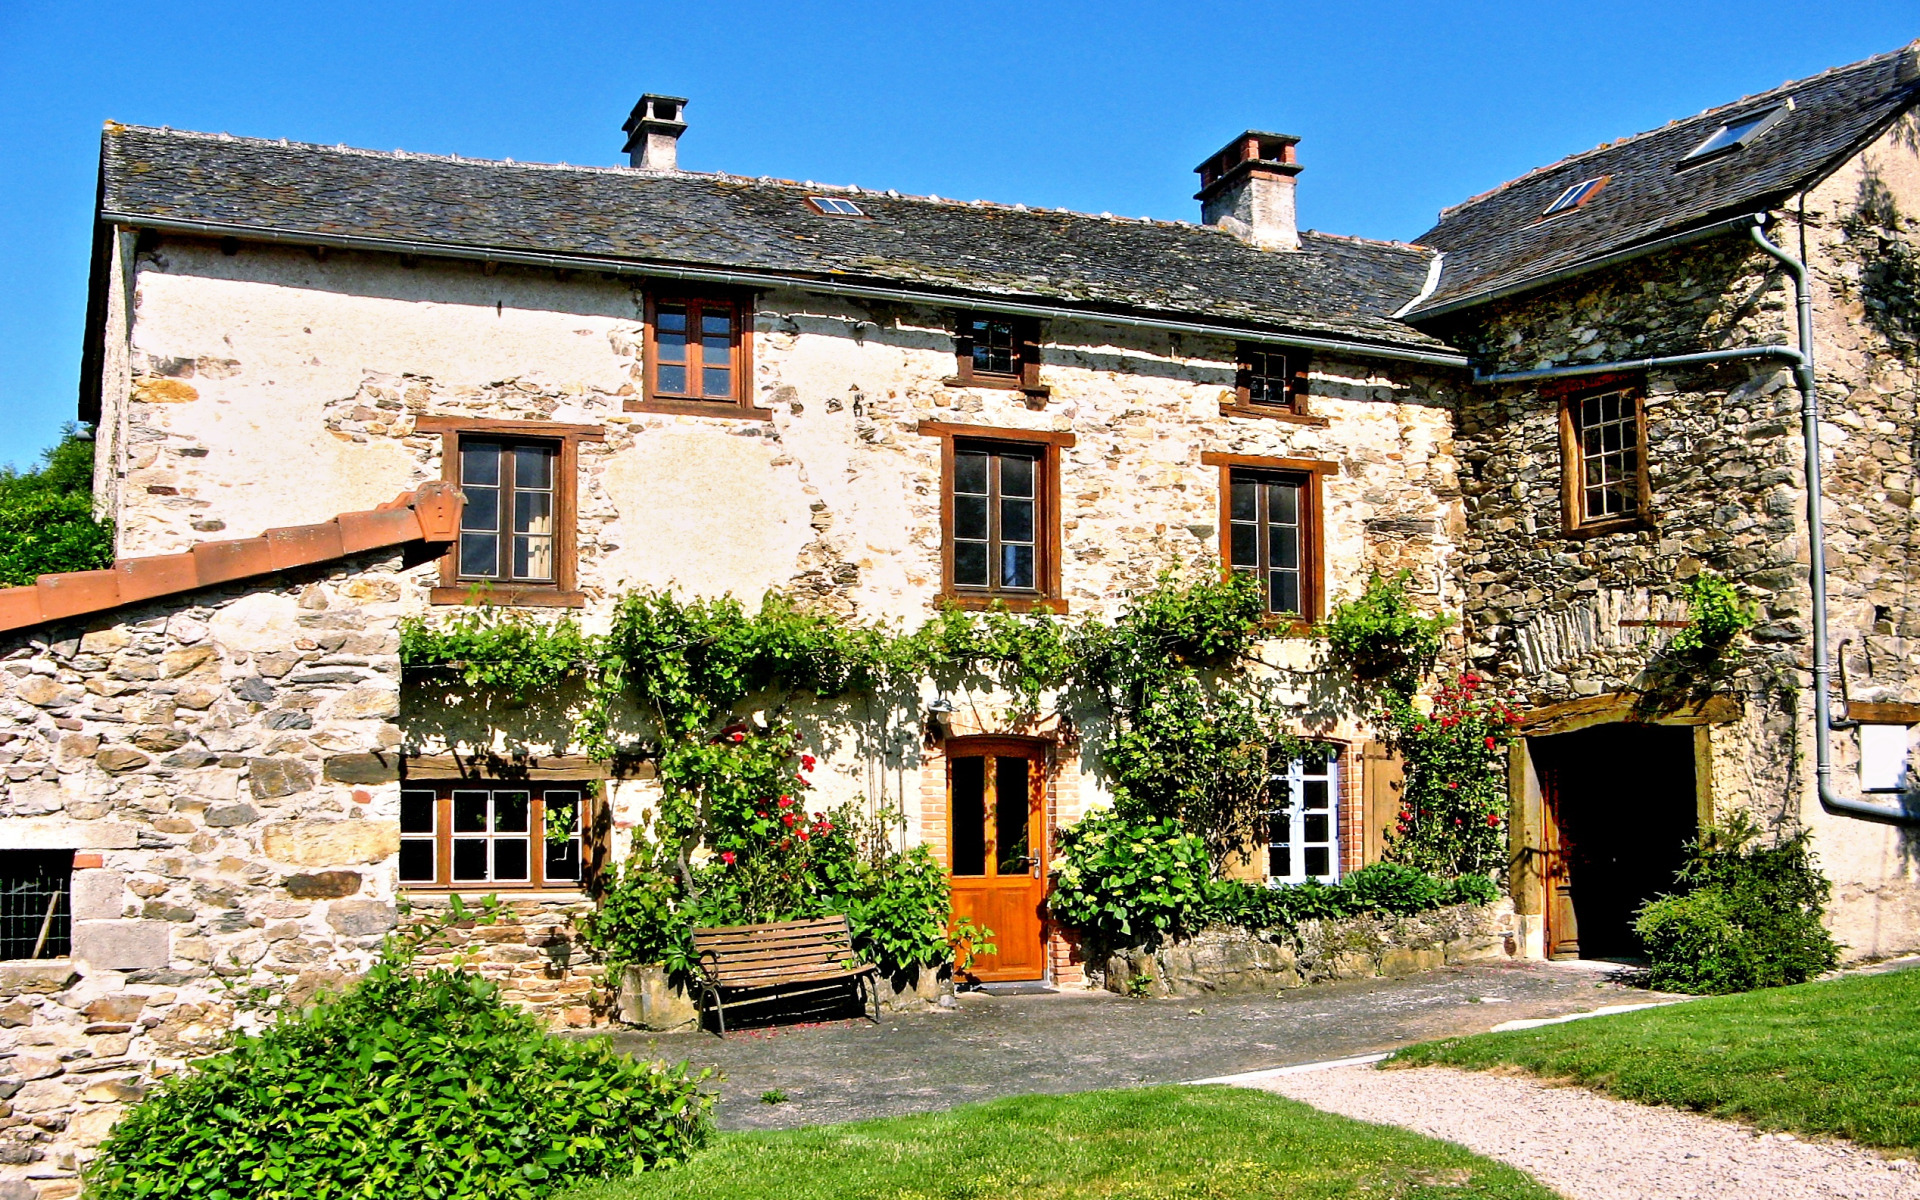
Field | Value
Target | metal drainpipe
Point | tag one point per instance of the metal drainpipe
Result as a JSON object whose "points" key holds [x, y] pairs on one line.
{"points": [[1802, 360]]}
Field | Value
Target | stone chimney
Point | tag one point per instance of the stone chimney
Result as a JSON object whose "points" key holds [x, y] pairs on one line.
{"points": [[1247, 190], [653, 132]]}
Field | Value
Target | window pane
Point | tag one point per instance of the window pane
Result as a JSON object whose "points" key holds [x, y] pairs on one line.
{"points": [[1245, 546], [480, 554], [1283, 504], [480, 465], [716, 330], [1283, 546], [563, 860], [716, 383], [510, 858], [533, 512], [416, 812], [533, 558], [482, 510], [469, 812], [1016, 475], [670, 333], [969, 816], [970, 564], [1010, 814], [970, 517], [469, 859], [416, 860], [509, 812], [1279, 862], [1285, 595], [970, 473], [1318, 861], [1243, 501], [1315, 827], [1016, 520], [670, 380], [532, 467], [1016, 567], [1313, 793]]}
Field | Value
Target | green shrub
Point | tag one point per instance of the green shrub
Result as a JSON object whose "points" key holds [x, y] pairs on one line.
{"points": [[405, 1086], [1127, 883], [1748, 916], [1379, 634], [1474, 889], [1715, 616], [1394, 888], [46, 516]]}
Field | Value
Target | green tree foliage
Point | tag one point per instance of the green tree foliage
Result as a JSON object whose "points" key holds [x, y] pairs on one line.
{"points": [[1380, 635], [406, 1086], [1747, 915], [46, 516]]}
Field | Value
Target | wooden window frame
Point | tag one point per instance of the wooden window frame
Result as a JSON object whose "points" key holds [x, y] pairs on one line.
{"points": [[1569, 394], [443, 786], [1313, 579], [563, 591], [1299, 363], [1025, 376], [1047, 540], [741, 404]]}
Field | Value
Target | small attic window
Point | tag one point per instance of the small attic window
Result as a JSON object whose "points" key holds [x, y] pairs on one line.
{"points": [[1577, 195], [834, 206], [1734, 135]]}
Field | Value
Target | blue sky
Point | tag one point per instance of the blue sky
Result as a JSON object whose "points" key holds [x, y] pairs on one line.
{"points": [[1403, 106]]}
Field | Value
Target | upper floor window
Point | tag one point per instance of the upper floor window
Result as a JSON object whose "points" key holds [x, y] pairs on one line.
{"points": [[526, 836], [1270, 381], [1303, 821], [1603, 443], [36, 907], [507, 528], [994, 350], [697, 356], [1000, 514], [1267, 527], [517, 479]]}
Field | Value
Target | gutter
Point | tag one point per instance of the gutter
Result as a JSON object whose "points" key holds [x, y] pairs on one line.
{"points": [[1588, 266], [755, 279], [1903, 813]]}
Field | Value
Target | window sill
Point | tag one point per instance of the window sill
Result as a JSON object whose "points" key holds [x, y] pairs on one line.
{"points": [[510, 597], [1631, 525], [977, 602], [1287, 627], [440, 897], [999, 383], [699, 408], [1274, 414]]}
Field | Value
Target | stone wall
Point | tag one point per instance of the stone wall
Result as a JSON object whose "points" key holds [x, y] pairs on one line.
{"points": [[1231, 960]]}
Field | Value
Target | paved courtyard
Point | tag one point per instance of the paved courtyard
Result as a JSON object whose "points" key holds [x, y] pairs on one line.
{"points": [[1001, 1045]]}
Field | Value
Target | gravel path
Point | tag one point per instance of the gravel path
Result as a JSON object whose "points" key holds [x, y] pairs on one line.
{"points": [[1591, 1147]]}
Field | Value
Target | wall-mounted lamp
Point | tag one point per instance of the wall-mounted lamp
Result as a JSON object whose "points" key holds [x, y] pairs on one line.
{"points": [[938, 709]]}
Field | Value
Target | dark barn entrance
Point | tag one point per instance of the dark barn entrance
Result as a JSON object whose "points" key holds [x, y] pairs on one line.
{"points": [[1620, 807]]}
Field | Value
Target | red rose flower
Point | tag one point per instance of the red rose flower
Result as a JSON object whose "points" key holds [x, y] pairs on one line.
{"points": [[1493, 818], [786, 802], [726, 856], [1489, 743], [802, 835], [738, 736]]}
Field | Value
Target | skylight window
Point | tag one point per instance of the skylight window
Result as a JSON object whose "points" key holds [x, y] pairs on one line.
{"points": [[1577, 195], [1735, 135], [834, 206]]}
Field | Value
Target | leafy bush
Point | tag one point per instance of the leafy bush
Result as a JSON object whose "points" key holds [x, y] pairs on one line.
{"points": [[1748, 915], [406, 1086], [46, 516], [1453, 809], [1379, 634], [1715, 616]]}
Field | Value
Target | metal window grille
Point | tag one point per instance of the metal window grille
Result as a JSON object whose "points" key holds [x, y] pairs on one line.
{"points": [[35, 904]]}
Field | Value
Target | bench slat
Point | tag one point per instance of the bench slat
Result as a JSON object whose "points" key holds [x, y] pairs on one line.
{"points": [[778, 953]]}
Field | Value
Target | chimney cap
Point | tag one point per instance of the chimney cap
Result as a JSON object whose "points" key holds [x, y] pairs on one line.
{"points": [[1256, 149], [658, 113]]}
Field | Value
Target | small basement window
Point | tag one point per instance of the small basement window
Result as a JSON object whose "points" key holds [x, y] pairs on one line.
{"points": [[834, 206], [1735, 135], [35, 904], [1577, 195]]}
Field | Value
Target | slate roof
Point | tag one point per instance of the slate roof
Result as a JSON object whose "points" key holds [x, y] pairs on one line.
{"points": [[1338, 287], [1497, 241]]}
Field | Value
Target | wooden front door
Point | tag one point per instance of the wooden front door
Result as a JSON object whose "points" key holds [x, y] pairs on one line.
{"points": [[997, 851], [1556, 858]]}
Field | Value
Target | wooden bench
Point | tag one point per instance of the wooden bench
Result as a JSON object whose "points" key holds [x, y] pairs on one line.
{"points": [[787, 958]]}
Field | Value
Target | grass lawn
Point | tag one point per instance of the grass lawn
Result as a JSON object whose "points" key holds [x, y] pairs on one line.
{"points": [[1839, 1058], [1211, 1143]]}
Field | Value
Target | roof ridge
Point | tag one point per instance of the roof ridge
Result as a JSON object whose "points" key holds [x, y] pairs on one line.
{"points": [[430, 512], [1367, 241], [1716, 110]]}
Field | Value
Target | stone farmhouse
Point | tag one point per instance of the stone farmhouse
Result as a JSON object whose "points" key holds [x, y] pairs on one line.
{"points": [[334, 388]]}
